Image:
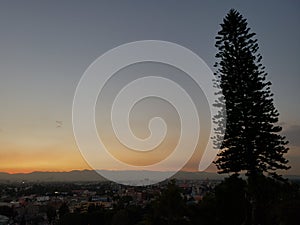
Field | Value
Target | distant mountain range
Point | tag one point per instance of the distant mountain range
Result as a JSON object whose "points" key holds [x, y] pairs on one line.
{"points": [[92, 176]]}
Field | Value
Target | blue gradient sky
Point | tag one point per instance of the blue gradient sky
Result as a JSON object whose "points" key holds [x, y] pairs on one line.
{"points": [[45, 46]]}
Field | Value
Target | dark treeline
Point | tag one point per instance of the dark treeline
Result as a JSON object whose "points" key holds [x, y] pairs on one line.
{"points": [[228, 204]]}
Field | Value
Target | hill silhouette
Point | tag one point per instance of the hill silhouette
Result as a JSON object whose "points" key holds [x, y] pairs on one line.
{"points": [[93, 176]]}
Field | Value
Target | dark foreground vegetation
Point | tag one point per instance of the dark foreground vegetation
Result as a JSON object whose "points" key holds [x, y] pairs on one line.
{"points": [[227, 202], [278, 203]]}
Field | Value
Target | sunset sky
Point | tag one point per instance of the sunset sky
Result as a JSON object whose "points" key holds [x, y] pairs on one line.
{"points": [[45, 47]]}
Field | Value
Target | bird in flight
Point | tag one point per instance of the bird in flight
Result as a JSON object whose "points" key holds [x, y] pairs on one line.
{"points": [[59, 123]]}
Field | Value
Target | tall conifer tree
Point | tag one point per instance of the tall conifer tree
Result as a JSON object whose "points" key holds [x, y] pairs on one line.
{"points": [[252, 142]]}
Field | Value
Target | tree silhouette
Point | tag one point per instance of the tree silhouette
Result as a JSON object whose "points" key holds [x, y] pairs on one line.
{"points": [[231, 201], [251, 142], [170, 207]]}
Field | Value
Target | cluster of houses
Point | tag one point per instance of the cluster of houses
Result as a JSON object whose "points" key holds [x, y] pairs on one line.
{"points": [[45, 208]]}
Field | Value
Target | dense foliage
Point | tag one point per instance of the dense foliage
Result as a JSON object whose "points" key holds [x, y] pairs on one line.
{"points": [[252, 142]]}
